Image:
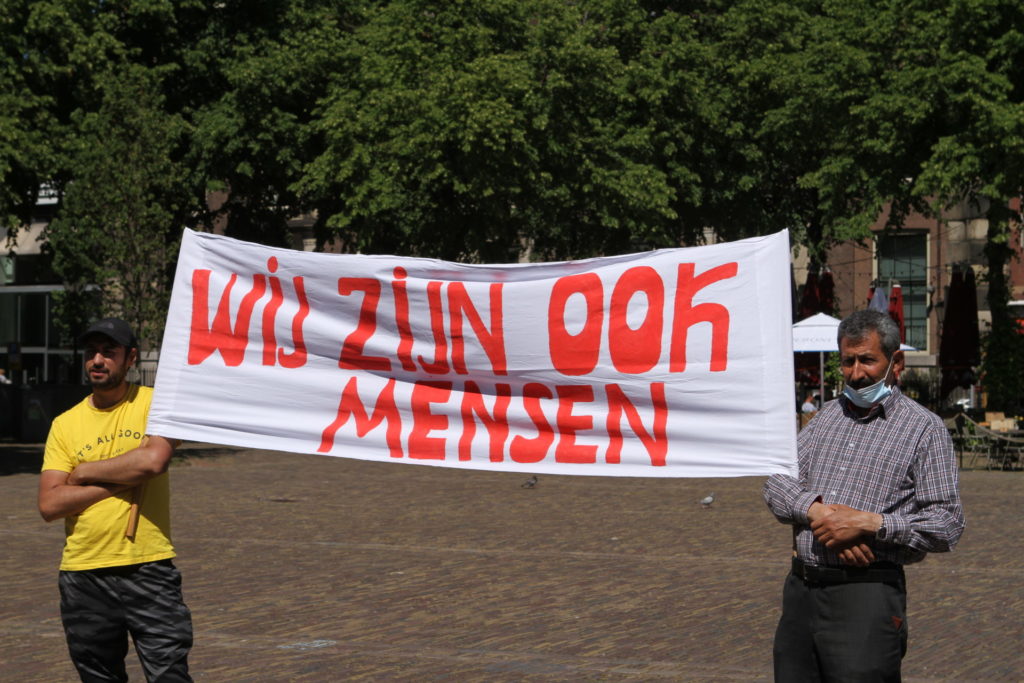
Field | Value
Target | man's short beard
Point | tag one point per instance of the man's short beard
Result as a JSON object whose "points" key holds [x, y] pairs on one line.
{"points": [[112, 380]]}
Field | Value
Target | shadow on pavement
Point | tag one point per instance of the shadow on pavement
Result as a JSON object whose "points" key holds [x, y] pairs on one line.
{"points": [[20, 458]]}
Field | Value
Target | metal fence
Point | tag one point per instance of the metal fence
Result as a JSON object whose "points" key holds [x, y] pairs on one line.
{"points": [[144, 373]]}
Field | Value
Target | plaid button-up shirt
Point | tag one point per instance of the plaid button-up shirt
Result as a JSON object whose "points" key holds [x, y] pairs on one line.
{"points": [[897, 461]]}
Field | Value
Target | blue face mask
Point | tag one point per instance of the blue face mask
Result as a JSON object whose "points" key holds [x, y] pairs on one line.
{"points": [[869, 396]]}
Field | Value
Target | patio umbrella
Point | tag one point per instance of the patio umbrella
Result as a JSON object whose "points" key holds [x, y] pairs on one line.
{"points": [[972, 343], [958, 348], [817, 333], [826, 292], [896, 309], [794, 293], [809, 301]]}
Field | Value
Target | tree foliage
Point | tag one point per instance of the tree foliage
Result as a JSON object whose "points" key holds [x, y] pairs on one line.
{"points": [[118, 227], [262, 67], [471, 129], [493, 129]]}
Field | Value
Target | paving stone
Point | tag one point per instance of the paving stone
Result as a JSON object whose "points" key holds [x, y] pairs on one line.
{"points": [[312, 568]]}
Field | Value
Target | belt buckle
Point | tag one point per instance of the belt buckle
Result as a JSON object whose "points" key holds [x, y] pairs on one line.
{"points": [[803, 570]]}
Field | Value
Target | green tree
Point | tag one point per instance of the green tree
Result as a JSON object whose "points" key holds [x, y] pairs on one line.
{"points": [[483, 130], [261, 67], [814, 124], [476, 129], [27, 122], [97, 81], [970, 84], [116, 236]]}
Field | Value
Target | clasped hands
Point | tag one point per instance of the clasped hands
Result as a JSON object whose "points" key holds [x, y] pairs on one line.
{"points": [[842, 528]]}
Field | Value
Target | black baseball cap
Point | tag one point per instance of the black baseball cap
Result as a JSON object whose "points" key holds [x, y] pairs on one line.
{"points": [[114, 328]]}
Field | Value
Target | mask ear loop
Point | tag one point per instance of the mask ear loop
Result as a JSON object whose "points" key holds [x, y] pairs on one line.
{"points": [[892, 362]]}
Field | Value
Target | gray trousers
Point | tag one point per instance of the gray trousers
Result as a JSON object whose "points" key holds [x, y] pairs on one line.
{"points": [[101, 607], [840, 632]]}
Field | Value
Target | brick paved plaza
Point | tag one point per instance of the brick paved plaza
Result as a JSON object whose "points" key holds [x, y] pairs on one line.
{"points": [[310, 568]]}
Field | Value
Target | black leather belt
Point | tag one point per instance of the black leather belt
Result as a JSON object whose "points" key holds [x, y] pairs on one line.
{"points": [[880, 572]]}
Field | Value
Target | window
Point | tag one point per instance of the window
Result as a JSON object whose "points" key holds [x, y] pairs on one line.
{"points": [[903, 259], [6, 270], [29, 343]]}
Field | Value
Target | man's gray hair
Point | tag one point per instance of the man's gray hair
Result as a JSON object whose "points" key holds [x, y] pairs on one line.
{"points": [[857, 326]]}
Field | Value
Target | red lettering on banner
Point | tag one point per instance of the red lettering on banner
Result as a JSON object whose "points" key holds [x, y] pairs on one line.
{"points": [[496, 424], [271, 352], [421, 445], [576, 354], [270, 313], [527, 450], [405, 339], [686, 315], [655, 441], [204, 337], [492, 340], [440, 364], [351, 406], [567, 449], [471, 408], [638, 350], [352, 357], [296, 358]]}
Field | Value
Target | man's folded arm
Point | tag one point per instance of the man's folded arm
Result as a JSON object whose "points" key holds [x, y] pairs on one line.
{"points": [[149, 459], [58, 499]]}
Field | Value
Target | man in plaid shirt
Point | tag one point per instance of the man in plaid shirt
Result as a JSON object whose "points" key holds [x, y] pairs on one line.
{"points": [[877, 489]]}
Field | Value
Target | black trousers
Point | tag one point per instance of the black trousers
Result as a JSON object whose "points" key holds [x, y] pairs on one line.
{"points": [[841, 632], [101, 607]]}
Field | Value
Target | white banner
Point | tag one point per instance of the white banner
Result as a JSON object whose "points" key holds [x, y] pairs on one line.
{"points": [[671, 363]]}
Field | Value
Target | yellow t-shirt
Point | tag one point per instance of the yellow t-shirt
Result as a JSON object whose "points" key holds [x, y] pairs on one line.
{"points": [[95, 536]]}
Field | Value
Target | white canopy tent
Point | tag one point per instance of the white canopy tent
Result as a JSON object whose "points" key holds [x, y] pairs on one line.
{"points": [[817, 333]]}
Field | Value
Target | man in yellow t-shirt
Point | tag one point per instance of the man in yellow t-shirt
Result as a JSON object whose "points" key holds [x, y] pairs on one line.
{"points": [[98, 460]]}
